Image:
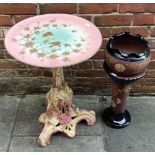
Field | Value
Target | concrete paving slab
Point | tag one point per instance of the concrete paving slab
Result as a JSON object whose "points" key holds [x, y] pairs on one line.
{"points": [[30, 109], [140, 134], [93, 103], [59, 144], [8, 110]]}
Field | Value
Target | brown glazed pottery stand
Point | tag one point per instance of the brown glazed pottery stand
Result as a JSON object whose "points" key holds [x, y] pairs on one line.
{"points": [[126, 60]]}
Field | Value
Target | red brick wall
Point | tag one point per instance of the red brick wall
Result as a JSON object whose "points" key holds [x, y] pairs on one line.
{"points": [[89, 76]]}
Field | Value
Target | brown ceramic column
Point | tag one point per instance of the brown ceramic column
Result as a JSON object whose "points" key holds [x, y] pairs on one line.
{"points": [[120, 93], [117, 116]]}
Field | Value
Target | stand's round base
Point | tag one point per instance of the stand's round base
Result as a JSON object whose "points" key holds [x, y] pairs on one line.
{"points": [[116, 120]]}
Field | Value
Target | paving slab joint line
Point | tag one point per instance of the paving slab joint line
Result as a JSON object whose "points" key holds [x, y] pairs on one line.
{"points": [[60, 134], [104, 139], [105, 143], [25, 135], [21, 96], [14, 122], [29, 136]]}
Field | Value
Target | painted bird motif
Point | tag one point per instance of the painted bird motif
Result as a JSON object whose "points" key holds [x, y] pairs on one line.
{"points": [[48, 34]]}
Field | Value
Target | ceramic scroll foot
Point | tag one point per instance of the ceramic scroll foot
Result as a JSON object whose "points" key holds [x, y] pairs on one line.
{"points": [[53, 124]]}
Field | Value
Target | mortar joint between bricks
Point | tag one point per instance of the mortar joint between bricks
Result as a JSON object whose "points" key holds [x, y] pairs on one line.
{"points": [[132, 21], [151, 38], [122, 26], [74, 73], [93, 67], [92, 19], [2, 34], [118, 6], [106, 14], [149, 33], [147, 13], [38, 9], [3, 27], [152, 50], [13, 19], [77, 8], [152, 26]]}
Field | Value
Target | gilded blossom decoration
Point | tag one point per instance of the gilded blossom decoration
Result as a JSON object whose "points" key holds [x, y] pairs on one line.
{"points": [[53, 40]]}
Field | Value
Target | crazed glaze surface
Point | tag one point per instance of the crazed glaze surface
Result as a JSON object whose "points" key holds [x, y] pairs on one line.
{"points": [[53, 40]]}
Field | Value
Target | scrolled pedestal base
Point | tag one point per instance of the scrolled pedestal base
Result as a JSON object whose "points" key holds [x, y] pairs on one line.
{"points": [[61, 115], [116, 120], [68, 129]]}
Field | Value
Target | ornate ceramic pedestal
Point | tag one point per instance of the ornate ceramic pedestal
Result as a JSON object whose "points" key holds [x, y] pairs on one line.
{"points": [[56, 41], [60, 115], [127, 57]]}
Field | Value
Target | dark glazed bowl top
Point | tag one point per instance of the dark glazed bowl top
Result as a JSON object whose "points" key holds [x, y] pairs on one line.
{"points": [[129, 47]]}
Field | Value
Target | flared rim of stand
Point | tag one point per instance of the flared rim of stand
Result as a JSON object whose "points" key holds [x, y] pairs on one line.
{"points": [[128, 56]]}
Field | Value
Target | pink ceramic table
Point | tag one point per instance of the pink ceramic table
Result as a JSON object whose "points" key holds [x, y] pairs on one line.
{"points": [[56, 41]]}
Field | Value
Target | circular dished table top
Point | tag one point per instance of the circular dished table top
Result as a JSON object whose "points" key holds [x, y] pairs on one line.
{"points": [[53, 40]]}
